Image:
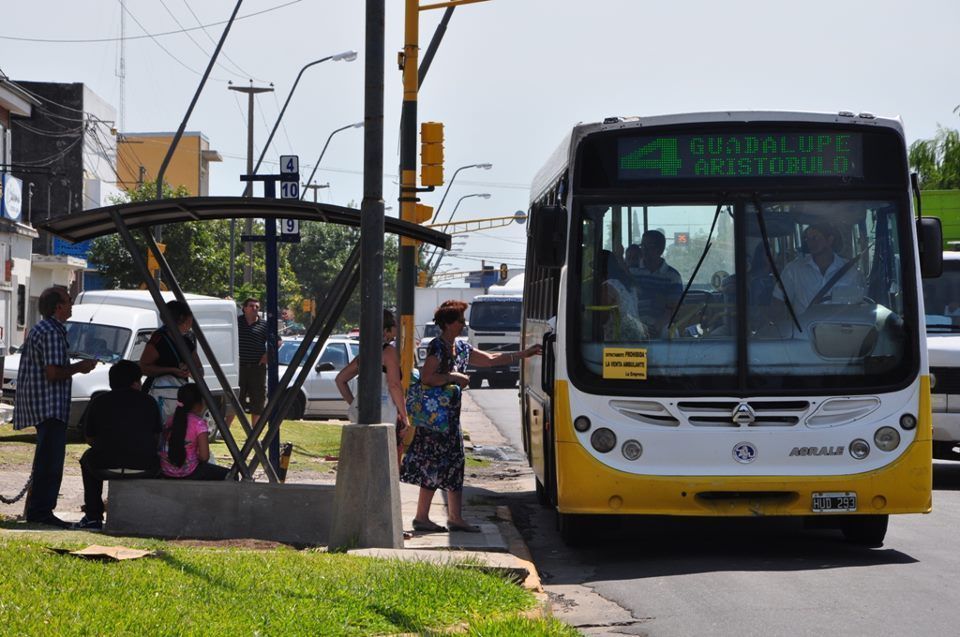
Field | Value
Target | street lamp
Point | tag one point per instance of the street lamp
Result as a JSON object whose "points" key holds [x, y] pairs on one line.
{"points": [[317, 164], [436, 252], [450, 183], [346, 56]]}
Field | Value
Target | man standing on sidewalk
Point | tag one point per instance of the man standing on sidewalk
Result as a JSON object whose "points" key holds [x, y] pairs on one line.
{"points": [[43, 401]]}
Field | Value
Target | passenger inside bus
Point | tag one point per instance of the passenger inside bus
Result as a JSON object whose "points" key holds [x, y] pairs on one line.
{"points": [[658, 284], [618, 301]]}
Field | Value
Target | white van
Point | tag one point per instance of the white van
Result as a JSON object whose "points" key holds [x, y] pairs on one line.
{"points": [[941, 299], [110, 325]]}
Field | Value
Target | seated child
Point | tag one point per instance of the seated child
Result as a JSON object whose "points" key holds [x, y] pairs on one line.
{"points": [[184, 446]]}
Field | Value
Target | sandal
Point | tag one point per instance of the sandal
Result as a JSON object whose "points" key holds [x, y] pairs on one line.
{"points": [[428, 527], [465, 528]]}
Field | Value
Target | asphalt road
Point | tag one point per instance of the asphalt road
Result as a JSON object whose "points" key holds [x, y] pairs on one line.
{"points": [[745, 577]]}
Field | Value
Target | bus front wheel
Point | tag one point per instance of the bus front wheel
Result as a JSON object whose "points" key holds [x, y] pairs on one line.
{"points": [[571, 529], [866, 530], [542, 498]]}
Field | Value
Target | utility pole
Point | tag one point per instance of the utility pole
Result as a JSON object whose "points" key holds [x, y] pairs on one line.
{"points": [[315, 188], [413, 77], [407, 275], [367, 496], [248, 191]]}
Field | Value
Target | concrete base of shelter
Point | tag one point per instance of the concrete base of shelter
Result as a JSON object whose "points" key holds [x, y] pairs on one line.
{"points": [[297, 514], [367, 499]]}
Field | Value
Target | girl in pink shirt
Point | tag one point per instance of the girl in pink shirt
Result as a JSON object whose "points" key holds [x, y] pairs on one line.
{"points": [[184, 446]]}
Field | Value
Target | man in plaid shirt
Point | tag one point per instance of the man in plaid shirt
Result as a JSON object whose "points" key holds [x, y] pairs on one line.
{"points": [[43, 401]]}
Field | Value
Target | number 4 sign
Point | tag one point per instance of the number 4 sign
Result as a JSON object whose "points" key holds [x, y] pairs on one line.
{"points": [[289, 164]]}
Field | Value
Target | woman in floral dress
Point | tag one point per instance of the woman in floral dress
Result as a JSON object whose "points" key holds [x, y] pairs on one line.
{"points": [[435, 459]]}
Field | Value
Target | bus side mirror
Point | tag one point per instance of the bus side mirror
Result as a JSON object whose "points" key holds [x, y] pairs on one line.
{"points": [[548, 231], [930, 243]]}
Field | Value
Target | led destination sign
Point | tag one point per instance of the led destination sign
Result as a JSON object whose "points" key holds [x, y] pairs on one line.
{"points": [[760, 155]]}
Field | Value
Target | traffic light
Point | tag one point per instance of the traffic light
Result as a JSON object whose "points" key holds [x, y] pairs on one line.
{"points": [[152, 264], [423, 213], [431, 154], [681, 238], [504, 271]]}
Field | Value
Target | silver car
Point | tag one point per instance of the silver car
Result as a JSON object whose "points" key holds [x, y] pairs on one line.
{"points": [[318, 397]]}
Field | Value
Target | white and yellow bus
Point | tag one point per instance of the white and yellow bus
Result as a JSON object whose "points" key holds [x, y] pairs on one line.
{"points": [[732, 321]]}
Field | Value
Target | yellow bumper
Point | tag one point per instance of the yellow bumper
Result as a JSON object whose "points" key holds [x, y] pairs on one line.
{"points": [[587, 486]]}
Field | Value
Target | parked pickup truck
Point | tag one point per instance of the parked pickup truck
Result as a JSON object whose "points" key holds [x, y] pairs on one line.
{"points": [[110, 325]]}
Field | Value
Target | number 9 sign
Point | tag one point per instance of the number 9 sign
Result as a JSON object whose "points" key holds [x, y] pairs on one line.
{"points": [[290, 226]]}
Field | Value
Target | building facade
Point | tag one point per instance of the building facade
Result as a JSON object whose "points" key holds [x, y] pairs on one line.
{"points": [[140, 156], [16, 236]]}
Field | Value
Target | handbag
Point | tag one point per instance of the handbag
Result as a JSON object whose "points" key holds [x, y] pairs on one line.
{"points": [[429, 407]]}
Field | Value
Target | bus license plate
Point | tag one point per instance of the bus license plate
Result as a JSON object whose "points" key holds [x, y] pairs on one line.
{"points": [[834, 502]]}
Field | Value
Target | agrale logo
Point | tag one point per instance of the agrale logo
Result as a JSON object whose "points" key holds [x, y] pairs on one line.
{"points": [[817, 451]]}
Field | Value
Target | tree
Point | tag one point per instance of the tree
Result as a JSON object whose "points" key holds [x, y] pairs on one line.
{"points": [[198, 253], [321, 255], [937, 160]]}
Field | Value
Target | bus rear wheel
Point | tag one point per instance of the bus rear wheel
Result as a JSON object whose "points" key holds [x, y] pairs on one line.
{"points": [[866, 530]]}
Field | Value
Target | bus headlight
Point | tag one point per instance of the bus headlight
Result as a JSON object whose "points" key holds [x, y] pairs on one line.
{"points": [[908, 422], [859, 449], [603, 440], [631, 450], [886, 438], [581, 424]]}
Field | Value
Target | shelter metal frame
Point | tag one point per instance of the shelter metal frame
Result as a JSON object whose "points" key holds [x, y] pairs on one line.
{"points": [[123, 218]]}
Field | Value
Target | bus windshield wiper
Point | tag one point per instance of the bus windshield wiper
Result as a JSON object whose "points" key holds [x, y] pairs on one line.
{"points": [[703, 255], [773, 266]]}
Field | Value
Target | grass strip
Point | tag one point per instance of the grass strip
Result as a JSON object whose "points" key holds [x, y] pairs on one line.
{"points": [[189, 591]]}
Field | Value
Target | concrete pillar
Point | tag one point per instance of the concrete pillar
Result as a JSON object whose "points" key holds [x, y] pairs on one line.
{"points": [[366, 503]]}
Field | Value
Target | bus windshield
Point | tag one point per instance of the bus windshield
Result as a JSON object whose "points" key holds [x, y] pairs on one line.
{"points": [[749, 294]]}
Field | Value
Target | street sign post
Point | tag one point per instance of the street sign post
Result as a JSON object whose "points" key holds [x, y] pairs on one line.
{"points": [[289, 179]]}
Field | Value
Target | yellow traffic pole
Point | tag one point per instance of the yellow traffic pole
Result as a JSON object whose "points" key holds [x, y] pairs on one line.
{"points": [[408, 183]]}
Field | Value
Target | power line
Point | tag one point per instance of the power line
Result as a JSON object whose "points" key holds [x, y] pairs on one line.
{"points": [[146, 34], [163, 48], [223, 53], [191, 38]]}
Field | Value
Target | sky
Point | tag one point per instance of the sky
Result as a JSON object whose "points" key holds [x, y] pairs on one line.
{"points": [[510, 79]]}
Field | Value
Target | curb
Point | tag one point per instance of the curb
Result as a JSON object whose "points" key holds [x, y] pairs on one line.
{"points": [[519, 549]]}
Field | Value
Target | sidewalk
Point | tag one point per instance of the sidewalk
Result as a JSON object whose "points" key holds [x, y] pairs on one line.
{"points": [[498, 546]]}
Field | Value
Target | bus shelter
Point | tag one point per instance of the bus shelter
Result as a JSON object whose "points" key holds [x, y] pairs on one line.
{"points": [[124, 219]]}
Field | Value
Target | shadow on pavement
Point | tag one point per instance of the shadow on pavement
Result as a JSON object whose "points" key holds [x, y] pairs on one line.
{"points": [[946, 475], [636, 547]]}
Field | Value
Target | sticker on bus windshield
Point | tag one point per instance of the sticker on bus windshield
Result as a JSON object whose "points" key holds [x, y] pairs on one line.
{"points": [[625, 363]]}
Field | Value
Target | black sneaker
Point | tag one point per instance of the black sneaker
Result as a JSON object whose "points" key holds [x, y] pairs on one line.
{"points": [[51, 520], [89, 524]]}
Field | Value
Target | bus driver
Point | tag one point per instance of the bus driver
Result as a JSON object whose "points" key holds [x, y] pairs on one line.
{"points": [[806, 276]]}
